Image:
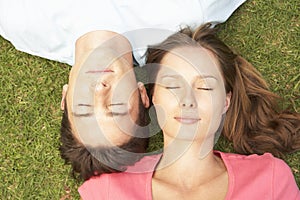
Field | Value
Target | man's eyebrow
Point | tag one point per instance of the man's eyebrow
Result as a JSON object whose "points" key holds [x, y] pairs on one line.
{"points": [[83, 104], [82, 115]]}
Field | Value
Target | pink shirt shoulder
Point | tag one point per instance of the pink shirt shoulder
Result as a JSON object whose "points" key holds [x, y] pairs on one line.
{"points": [[250, 177], [135, 183], [259, 177]]}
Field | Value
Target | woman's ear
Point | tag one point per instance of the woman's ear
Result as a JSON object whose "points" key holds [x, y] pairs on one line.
{"points": [[63, 96], [227, 102], [144, 96]]}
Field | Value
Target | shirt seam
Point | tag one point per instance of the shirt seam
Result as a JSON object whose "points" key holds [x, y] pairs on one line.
{"points": [[231, 176], [272, 178], [108, 187]]}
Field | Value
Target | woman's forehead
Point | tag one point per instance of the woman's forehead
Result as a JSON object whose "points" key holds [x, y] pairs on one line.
{"points": [[187, 60]]}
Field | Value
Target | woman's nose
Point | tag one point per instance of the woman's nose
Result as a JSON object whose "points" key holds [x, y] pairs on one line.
{"points": [[188, 105], [188, 100]]}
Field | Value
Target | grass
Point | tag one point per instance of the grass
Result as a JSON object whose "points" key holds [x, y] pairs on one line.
{"points": [[265, 32]]}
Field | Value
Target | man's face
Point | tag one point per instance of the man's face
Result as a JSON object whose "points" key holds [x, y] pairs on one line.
{"points": [[103, 98]]}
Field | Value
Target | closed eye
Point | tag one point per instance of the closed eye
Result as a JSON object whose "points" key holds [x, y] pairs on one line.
{"points": [[202, 88], [172, 88], [83, 110]]}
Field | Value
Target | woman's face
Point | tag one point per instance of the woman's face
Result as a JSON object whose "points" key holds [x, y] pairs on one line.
{"points": [[189, 94]]}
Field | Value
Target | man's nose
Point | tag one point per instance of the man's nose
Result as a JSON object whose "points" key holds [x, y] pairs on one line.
{"points": [[104, 83]]}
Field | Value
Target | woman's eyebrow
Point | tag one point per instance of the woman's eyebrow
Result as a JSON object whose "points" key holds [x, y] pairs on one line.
{"points": [[206, 76], [170, 76], [198, 77]]}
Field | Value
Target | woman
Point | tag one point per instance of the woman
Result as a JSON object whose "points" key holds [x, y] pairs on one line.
{"points": [[197, 80]]}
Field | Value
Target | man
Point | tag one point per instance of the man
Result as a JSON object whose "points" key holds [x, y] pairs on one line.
{"points": [[104, 122], [49, 29]]}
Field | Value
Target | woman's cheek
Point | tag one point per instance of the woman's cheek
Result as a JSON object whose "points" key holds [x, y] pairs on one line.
{"points": [[165, 104], [161, 115]]}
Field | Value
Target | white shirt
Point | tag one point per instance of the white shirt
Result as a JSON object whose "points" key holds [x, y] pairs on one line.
{"points": [[49, 28]]}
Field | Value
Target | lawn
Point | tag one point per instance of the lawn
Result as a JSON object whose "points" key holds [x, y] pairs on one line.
{"points": [[267, 33]]}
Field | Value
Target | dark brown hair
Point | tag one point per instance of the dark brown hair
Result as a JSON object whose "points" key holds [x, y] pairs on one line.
{"points": [[253, 121], [93, 161]]}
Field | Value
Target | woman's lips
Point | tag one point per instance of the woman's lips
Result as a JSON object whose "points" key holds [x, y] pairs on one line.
{"points": [[187, 120]]}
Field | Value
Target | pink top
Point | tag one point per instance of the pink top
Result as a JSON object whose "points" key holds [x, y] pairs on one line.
{"points": [[250, 177]]}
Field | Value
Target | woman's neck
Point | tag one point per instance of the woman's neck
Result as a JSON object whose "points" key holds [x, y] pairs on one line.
{"points": [[188, 164]]}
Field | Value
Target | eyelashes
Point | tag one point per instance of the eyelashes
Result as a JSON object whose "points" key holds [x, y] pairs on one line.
{"points": [[200, 88], [172, 88], [207, 89]]}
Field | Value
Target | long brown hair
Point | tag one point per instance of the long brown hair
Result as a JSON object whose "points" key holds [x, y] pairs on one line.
{"points": [[254, 122]]}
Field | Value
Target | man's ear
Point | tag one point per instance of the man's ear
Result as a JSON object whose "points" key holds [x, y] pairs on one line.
{"points": [[227, 102], [63, 96], [143, 93]]}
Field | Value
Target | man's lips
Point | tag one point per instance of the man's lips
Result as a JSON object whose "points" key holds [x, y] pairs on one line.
{"points": [[187, 120], [99, 71]]}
